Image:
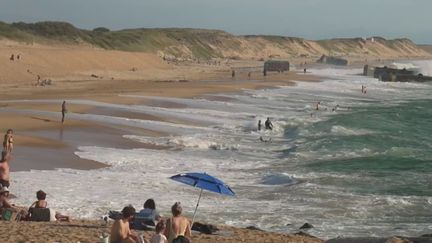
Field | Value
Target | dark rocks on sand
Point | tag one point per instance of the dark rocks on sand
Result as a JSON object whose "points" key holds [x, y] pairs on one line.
{"points": [[306, 226], [253, 228], [204, 228], [301, 233]]}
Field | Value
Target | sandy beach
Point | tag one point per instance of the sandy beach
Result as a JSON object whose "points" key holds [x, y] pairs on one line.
{"points": [[42, 142]]}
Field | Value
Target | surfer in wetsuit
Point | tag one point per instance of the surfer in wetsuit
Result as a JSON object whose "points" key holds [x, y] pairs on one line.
{"points": [[268, 124]]}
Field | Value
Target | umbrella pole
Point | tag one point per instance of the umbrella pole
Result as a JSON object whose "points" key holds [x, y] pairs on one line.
{"points": [[196, 208]]}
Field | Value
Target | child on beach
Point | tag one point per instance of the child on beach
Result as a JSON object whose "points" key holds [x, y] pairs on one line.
{"points": [[159, 237], [42, 203], [8, 141]]}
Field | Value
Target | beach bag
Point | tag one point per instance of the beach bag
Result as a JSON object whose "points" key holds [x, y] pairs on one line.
{"points": [[7, 214]]}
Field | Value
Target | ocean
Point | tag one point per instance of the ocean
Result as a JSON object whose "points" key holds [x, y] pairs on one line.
{"points": [[359, 166]]}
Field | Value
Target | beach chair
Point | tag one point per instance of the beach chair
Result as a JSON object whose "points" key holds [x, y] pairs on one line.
{"points": [[42, 215]]}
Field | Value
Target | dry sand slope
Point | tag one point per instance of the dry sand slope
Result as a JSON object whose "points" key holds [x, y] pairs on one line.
{"points": [[72, 62]]}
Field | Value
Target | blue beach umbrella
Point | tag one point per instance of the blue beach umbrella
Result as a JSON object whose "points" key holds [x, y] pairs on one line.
{"points": [[204, 182]]}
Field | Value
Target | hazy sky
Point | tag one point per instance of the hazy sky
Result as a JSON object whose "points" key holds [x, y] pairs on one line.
{"points": [[312, 19]]}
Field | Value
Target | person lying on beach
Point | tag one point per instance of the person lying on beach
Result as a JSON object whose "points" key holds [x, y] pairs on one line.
{"points": [[159, 237], [177, 225], [120, 232], [4, 169], [8, 141], [42, 203]]}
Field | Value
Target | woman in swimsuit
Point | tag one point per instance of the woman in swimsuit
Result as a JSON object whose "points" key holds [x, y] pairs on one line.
{"points": [[177, 225], [8, 141]]}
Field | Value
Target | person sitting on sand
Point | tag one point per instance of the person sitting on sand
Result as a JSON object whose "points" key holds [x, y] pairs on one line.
{"points": [[120, 231], [4, 203], [159, 237], [8, 141], [149, 211], [42, 203], [177, 225]]}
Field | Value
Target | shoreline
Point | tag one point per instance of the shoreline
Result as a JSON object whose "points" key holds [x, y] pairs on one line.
{"points": [[51, 127]]}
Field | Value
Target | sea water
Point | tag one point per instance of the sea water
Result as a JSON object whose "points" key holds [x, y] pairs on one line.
{"points": [[360, 165]]}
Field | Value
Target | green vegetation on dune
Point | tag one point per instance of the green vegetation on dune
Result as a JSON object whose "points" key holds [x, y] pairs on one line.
{"points": [[197, 43]]}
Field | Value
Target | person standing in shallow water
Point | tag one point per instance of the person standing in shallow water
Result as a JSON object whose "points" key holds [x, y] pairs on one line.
{"points": [[259, 125], [268, 124], [63, 110]]}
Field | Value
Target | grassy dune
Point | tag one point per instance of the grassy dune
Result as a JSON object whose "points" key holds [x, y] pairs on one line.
{"points": [[200, 43]]}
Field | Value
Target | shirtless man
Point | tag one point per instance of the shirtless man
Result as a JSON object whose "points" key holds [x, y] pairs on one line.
{"points": [[4, 169], [120, 231]]}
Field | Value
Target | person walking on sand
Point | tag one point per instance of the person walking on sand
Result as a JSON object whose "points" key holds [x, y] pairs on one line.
{"points": [[177, 225], [4, 169], [64, 110], [120, 231], [8, 141]]}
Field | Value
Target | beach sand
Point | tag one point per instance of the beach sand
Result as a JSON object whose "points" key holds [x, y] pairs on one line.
{"points": [[42, 142], [90, 231]]}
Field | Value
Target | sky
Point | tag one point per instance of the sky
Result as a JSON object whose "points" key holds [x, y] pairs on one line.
{"points": [[311, 19]]}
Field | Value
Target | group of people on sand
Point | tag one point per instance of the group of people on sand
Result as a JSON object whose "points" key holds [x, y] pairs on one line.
{"points": [[175, 229], [12, 57]]}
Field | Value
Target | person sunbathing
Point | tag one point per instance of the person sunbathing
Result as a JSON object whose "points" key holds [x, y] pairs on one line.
{"points": [[42, 203], [120, 231], [177, 225]]}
